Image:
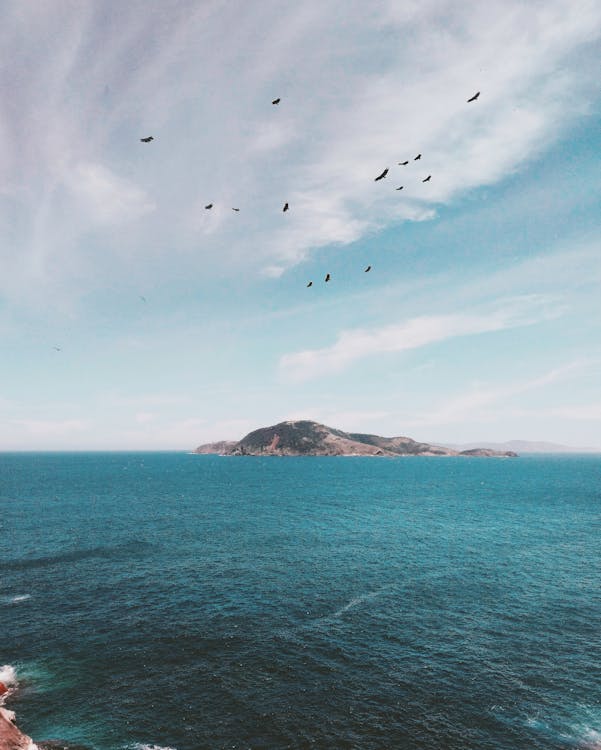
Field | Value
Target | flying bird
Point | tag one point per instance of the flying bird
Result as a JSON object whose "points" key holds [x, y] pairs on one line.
{"points": [[400, 188], [309, 284], [209, 205], [286, 207], [276, 101], [147, 139], [235, 209], [474, 97], [428, 178], [418, 157], [381, 176], [368, 269], [328, 277], [57, 348], [143, 298], [403, 163]]}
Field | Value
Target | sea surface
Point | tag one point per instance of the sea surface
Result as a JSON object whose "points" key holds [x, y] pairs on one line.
{"points": [[177, 601]]}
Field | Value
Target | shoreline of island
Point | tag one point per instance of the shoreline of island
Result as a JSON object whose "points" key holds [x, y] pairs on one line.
{"points": [[307, 438]]}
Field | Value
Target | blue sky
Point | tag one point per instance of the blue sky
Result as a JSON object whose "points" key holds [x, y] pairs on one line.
{"points": [[480, 319]]}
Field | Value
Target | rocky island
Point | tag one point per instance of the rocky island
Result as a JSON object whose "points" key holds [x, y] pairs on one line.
{"points": [[307, 438]]}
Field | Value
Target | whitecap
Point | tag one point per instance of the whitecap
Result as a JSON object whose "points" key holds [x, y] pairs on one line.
{"points": [[360, 599], [591, 739], [8, 675], [14, 599], [144, 746]]}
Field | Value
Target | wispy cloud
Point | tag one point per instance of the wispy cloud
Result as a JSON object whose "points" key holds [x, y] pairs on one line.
{"points": [[356, 344], [90, 86], [106, 197], [471, 405]]}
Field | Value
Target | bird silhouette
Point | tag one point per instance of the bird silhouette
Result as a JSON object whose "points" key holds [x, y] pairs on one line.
{"points": [[235, 209], [400, 188], [381, 176], [328, 277], [418, 157], [209, 205], [143, 298], [309, 284], [368, 269], [276, 101], [428, 178], [403, 163], [474, 97], [286, 207], [57, 348], [148, 139]]}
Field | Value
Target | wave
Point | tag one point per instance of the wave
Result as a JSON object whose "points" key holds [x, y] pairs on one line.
{"points": [[111, 552], [592, 739], [359, 600], [143, 746], [14, 599], [8, 677]]}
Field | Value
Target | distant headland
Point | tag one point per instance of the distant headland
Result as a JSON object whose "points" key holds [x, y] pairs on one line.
{"points": [[307, 438]]}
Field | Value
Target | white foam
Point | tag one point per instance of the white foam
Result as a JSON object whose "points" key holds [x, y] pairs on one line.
{"points": [[14, 599], [8, 675], [143, 746], [591, 739], [360, 599]]}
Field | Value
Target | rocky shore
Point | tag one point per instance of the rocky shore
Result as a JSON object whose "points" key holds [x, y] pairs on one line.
{"points": [[11, 737]]}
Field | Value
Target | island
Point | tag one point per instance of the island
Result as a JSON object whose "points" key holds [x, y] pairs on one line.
{"points": [[306, 438]]}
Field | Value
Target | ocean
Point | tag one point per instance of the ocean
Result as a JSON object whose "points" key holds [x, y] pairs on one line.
{"points": [[163, 600]]}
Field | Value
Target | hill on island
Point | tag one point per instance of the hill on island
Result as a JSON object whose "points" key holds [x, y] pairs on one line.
{"points": [[306, 438]]}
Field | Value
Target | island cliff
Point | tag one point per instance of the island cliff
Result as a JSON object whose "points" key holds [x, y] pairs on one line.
{"points": [[306, 438]]}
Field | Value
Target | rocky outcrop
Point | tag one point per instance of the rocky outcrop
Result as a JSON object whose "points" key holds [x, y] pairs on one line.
{"points": [[222, 447], [11, 737], [307, 438], [487, 452]]}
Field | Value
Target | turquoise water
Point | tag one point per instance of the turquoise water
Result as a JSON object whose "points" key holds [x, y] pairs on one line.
{"points": [[196, 602]]}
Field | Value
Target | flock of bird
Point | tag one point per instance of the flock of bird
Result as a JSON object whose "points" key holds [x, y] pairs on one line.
{"points": [[381, 176], [209, 206]]}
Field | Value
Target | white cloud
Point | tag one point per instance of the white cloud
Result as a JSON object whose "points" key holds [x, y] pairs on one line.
{"points": [[391, 81], [107, 197], [359, 343], [470, 406], [417, 103]]}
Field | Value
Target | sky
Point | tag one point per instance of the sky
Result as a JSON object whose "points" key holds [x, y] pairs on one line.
{"points": [[131, 317]]}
